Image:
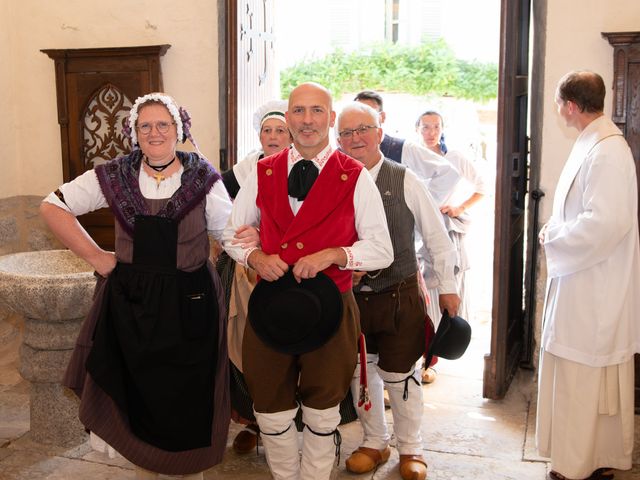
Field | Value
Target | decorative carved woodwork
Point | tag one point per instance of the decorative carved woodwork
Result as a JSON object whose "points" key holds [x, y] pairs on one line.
{"points": [[102, 126], [95, 90], [626, 111]]}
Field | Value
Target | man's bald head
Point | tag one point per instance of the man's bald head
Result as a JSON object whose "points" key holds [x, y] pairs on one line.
{"points": [[309, 117], [311, 88]]}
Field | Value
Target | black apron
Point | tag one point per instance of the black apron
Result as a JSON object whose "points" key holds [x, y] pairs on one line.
{"points": [[155, 343]]}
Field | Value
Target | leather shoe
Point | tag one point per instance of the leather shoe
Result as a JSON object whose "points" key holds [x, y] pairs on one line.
{"points": [[413, 467], [365, 459], [246, 440]]}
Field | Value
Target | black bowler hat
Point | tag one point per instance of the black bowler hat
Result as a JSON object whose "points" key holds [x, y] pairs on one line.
{"points": [[450, 340], [295, 318]]}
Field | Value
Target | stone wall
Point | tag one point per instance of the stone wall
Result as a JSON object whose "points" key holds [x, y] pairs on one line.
{"points": [[21, 228]]}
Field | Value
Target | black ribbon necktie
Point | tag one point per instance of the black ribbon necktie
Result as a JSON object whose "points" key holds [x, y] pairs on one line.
{"points": [[301, 178]]}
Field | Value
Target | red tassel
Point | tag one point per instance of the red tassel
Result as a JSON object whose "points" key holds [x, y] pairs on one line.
{"points": [[363, 396], [429, 328]]}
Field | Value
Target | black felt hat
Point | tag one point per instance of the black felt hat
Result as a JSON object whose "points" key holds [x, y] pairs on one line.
{"points": [[451, 338], [295, 318]]}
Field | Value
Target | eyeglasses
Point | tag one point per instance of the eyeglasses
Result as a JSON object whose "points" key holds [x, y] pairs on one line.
{"points": [[162, 127], [361, 130]]}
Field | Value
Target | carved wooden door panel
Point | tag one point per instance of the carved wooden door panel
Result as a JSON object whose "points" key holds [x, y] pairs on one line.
{"points": [[252, 78], [626, 112], [508, 319], [95, 91]]}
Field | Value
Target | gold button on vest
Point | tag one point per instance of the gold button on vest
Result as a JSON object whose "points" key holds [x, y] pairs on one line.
{"points": [[269, 171], [300, 245], [284, 245]]}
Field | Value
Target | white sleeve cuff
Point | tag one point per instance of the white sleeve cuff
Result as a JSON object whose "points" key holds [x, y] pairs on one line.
{"points": [[53, 199], [248, 252], [352, 264]]}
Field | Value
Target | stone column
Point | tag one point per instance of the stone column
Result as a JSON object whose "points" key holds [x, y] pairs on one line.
{"points": [[53, 291]]}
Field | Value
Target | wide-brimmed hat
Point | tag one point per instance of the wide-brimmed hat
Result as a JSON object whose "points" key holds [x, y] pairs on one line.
{"points": [[450, 340], [295, 318]]}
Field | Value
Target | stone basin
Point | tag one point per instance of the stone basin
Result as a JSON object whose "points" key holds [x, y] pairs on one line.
{"points": [[52, 290], [48, 285]]}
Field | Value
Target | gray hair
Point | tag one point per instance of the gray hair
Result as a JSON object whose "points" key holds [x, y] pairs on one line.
{"points": [[358, 107]]}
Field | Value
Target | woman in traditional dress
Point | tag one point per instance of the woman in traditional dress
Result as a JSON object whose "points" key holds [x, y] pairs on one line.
{"points": [[150, 363]]}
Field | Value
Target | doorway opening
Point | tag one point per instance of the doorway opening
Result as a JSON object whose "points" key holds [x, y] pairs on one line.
{"points": [[264, 30]]}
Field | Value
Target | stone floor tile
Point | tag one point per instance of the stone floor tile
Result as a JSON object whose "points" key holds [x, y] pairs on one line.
{"points": [[633, 474], [4, 452], [93, 456], [530, 451], [444, 466], [466, 430], [451, 389], [14, 412], [29, 465]]}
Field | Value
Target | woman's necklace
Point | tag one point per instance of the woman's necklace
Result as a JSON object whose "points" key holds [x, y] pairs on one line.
{"points": [[159, 168]]}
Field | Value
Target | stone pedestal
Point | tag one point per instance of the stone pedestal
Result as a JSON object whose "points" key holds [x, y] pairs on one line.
{"points": [[53, 291]]}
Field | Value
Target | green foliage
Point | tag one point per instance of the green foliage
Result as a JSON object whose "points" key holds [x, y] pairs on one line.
{"points": [[429, 69]]}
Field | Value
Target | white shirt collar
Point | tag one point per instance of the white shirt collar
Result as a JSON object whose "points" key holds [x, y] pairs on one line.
{"points": [[320, 159], [376, 168]]}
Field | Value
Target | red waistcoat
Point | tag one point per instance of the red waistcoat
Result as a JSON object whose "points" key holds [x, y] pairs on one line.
{"points": [[326, 218]]}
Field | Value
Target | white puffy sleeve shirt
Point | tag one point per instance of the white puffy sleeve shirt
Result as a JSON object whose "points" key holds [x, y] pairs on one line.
{"points": [[473, 178], [372, 250], [83, 195], [438, 174], [244, 167]]}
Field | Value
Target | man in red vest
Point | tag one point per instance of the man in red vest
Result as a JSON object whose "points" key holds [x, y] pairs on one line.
{"points": [[318, 210]]}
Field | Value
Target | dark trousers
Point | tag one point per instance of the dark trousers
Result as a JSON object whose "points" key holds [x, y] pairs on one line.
{"points": [[393, 321], [320, 379]]}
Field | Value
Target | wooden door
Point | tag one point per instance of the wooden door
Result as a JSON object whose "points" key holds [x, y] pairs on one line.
{"points": [[96, 88], [626, 112], [251, 75], [508, 317]]}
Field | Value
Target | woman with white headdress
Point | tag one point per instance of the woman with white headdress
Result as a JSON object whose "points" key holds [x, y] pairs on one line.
{"points": [[150, 363], [269, 122], [274, 136]]}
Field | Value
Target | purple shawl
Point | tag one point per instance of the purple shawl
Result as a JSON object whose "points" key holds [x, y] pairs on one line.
{"points": [[119, 183]]}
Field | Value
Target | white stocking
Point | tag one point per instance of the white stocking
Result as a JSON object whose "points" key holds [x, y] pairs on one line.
{"points": [[373, 421], [406, 407], [319, 442], [280, 440]]}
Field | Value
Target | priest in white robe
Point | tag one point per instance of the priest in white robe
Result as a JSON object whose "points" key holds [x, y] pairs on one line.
{"points": [[591, 325]]}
